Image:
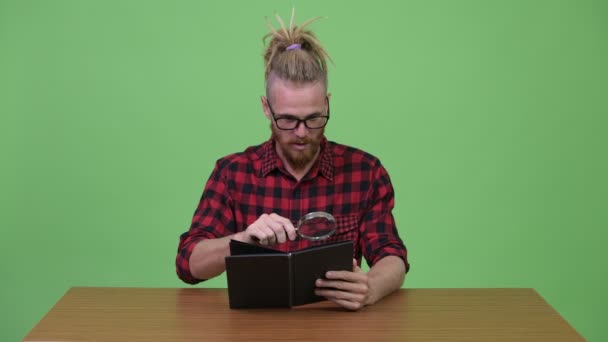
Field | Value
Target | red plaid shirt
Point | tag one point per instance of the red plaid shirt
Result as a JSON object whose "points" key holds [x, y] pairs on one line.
{"points": [[348, 183]]}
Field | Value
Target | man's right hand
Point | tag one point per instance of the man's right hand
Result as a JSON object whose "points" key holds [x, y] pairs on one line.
{"points": [[268, 230]]}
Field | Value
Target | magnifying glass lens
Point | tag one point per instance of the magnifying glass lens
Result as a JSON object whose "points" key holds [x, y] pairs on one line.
{"points": [[317, 226]]}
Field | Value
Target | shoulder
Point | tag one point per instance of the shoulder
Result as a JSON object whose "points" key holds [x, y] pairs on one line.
{"points": [[244, 161], [345, 155]]}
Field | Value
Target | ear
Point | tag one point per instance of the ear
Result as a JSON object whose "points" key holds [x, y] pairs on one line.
{"points": [[264, 101]]}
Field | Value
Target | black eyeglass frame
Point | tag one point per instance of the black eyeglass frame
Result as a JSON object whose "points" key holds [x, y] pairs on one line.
{"points": [[298, 121]]}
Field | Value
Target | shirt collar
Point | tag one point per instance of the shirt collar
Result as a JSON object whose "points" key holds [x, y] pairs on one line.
{"points": [[324, 163]]}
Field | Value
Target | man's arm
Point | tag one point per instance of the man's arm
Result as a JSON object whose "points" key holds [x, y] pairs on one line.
{"points": [[208, 256], [354, 290], [202, 249], [386, 276], [382, 248]]}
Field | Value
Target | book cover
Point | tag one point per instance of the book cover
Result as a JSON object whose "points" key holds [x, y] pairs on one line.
{"points": [[261, 277]]}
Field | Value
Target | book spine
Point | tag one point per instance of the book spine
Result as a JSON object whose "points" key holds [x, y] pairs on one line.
{"points": [[291, 274]]}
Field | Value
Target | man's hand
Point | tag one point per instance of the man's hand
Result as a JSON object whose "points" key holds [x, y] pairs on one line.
{"points": [[350, 290], [268, 230]]}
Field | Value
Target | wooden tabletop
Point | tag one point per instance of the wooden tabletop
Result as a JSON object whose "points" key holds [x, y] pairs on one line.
{"points": [[195, 314]]}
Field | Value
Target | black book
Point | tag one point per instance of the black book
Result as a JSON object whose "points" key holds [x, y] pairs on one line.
{"points": [[260, 277]]}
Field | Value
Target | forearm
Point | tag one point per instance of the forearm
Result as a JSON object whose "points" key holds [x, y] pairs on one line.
{"points": [[207, 258], [386, 276]]}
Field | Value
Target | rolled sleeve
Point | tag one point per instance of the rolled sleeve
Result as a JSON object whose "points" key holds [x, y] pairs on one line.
{"points": [[380, 237], [213, 218]]}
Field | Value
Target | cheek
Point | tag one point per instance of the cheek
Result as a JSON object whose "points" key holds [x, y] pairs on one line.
{"points": [[282, 136], [318, 134]]}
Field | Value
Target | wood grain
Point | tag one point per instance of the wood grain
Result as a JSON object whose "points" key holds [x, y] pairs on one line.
{"points": [[144, 314]]}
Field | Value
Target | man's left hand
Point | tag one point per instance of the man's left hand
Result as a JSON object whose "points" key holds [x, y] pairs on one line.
{"points": [[350, 290]]}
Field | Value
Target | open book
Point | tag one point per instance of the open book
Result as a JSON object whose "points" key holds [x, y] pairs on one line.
{"points": [[260, 277]]}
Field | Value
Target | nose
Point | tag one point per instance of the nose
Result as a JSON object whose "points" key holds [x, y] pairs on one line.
{"points": [[300, 131]]}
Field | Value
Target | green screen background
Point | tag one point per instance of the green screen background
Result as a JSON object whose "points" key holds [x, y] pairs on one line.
{"points": [[490, 117]]}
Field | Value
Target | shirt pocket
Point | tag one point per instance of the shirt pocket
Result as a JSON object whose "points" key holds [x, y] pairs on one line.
{"points": [[347, 229]]}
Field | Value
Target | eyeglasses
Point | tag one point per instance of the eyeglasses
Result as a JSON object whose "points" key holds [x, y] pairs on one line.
{"points": [[289, 122]]}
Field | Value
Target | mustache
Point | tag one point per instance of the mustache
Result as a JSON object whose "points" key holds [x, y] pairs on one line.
{"points": [[300, 141]]}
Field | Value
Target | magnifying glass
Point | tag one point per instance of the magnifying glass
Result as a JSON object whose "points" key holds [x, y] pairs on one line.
{"points": [[316, 226]]}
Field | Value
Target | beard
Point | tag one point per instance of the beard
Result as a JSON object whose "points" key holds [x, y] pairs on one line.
{"points": [[297, 160]]}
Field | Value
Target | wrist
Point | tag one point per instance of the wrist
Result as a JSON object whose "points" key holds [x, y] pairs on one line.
{"points": [[242, 237], [371, 293], [238, 236]]}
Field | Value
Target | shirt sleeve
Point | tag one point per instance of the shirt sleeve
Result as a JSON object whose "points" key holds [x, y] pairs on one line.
{"points": [[379, 235], [213, 218]]}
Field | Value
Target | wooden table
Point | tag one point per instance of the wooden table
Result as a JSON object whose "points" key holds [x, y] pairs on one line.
{"points": [[195, 314]]}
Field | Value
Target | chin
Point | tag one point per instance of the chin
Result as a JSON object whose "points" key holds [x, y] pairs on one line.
{"points": [[299, 160]]}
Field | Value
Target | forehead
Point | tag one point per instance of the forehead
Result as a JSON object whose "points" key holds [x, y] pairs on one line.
{"points": [[296, 98]]}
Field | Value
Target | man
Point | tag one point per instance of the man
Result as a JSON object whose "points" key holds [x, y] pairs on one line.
{"points": [[254, 196]]}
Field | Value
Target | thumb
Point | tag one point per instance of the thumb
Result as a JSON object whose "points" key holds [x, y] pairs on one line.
{"points": [[356, 267]]}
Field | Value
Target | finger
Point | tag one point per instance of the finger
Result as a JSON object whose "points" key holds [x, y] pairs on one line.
{"points": [[353, 306], [268, 234], [342, 285], [287, 226], [344, 295], [264, 234], [277, 228], [344, 299], [346, 276], [257, 235]]}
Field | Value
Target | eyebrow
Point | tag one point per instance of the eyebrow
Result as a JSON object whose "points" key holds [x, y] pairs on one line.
{"points": [[291, 116]]}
